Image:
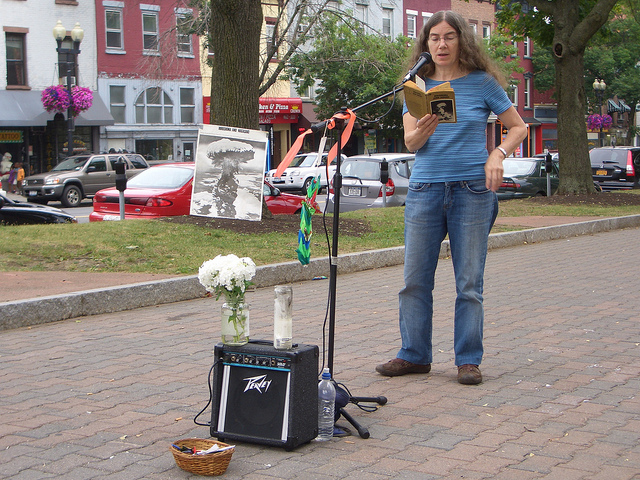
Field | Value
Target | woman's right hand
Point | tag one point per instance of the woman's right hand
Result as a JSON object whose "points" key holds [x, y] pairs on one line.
{"points": [[417, 132]]}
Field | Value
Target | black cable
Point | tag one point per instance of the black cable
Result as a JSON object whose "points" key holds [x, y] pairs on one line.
{"points": [[354, 400], [210, 398], [393, 102]]}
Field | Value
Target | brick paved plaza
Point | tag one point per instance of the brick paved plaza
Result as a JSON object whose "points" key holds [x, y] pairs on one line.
{"points": [[104, 396]]}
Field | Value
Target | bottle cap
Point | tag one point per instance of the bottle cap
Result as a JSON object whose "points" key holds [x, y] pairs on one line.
{"points": [[326, 374]]}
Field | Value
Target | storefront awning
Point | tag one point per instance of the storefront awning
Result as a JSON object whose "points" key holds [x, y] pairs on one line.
{"points": [[280, 110], [24, 109], [531, 121], [624, 106], [613, 107]]}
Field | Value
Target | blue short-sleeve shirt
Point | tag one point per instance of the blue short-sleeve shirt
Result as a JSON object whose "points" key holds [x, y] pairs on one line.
{"points": [[458, 151]]}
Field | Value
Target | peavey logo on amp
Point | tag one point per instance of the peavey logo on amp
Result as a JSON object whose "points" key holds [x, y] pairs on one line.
{"points": [[260, 383]]}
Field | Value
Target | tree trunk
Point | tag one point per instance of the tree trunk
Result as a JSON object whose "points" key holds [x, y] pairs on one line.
{"points": [[235, 37], [575, 167], [571, 35]]}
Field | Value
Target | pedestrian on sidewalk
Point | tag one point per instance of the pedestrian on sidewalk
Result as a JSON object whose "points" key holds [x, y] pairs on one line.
{"points": [[452, 191], [19, 177], [5, 168], [13, 175]]}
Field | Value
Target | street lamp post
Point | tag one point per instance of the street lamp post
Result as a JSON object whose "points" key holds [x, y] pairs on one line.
{"points": [[598, 87], [77, 34]]}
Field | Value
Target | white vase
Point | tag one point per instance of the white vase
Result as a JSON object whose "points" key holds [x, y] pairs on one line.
{"points": [[235, 323]]}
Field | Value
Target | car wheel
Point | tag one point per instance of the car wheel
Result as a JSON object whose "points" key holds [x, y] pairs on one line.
{"points": [[306, 185], [71, 197]]}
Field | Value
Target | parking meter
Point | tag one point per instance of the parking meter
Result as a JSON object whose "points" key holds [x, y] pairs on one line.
{"points": [[384, 178], [384, 171], [547, 163], [121, 178], [121, 184]]}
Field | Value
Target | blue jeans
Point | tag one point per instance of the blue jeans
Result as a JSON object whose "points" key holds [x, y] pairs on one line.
{"points": [[466, 211]]}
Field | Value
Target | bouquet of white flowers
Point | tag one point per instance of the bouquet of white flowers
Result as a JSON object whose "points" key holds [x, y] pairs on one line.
{"points": [[228, 275]]}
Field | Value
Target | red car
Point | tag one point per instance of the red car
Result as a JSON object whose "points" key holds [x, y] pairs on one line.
{"points": [[165, 191]]}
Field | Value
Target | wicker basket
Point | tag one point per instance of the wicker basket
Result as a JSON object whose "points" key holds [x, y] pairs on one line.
{"points": [[209, 464]]}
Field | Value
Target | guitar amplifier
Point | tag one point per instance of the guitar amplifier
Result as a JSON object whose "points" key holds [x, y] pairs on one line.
{"points": [[263, 395]]}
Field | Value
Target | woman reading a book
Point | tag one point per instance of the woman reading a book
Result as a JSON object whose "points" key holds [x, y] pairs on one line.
{"points": [[452, 191]]}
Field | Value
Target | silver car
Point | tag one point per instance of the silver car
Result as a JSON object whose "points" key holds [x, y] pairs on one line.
{"points": [[361, 185]]}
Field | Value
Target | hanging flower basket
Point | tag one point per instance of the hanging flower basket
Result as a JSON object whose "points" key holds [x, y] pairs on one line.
{"points": [[595, 121], [56, 99], [82, 99]]}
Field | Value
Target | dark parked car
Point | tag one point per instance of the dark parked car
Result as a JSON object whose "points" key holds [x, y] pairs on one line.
{"points": [[22, 213], [79, 177], [526, 177], [361, 185], [616, 167]]}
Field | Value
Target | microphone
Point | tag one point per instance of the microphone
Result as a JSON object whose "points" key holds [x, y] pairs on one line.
{"points": [[423, 59]]}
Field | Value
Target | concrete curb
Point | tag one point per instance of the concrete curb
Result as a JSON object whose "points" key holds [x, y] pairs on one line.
{"points": [[53, 308]]}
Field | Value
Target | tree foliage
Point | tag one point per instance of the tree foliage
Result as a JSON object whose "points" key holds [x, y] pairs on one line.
{"points": [[501, 49], [566, 27], [612, 55], [248, 60], [352, 67]]}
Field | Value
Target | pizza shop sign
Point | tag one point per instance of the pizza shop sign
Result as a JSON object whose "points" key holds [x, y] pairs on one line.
{"points": [[280, 110], [10, 136]]}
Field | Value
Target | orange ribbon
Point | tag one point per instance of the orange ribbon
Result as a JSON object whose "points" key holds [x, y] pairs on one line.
{"points": [[297, 145]]}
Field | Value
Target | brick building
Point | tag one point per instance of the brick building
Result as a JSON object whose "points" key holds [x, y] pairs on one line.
{"points": [[149, 76], [31, 63]]}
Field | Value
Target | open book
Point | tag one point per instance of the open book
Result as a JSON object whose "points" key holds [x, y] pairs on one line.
{"points": [[440, 100]]}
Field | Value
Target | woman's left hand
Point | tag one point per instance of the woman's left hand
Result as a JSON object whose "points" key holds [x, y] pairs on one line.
{"points": [[493, 170]]}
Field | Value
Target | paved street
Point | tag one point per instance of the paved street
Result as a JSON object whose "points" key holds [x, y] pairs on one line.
{"points": [[104, 396]]}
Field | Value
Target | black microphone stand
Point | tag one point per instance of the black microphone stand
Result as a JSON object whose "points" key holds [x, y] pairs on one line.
{"points": [[333, 263]]}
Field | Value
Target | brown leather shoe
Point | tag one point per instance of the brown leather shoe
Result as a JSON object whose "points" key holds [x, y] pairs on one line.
{"points": [[397, 366], [469, 374]]}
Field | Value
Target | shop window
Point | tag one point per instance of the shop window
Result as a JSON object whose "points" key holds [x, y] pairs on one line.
{"points": [[527, 92], [527, 47], [113, 29], [187, 105], [117, 105], [160, 149], [486, 30], [271, 40], [183, 38], [411, 25], [387, 22], [16, 66], [154, 106], [150, 33]]}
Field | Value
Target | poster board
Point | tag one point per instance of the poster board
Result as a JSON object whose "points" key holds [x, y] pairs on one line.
{"points": [[229, 173]]}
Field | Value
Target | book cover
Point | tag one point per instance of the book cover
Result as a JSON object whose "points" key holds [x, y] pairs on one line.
{"points": [[440, 100]]}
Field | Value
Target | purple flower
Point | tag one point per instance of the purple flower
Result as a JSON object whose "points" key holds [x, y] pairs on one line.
{"points": [[82, 99], [594, 122], [57, 99]]}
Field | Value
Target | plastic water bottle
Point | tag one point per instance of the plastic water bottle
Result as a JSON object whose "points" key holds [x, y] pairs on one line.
{"points": [[326, 406]]}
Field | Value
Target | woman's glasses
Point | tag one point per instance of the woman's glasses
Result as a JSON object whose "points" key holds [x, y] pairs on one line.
{"points": [[448, 38]]}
